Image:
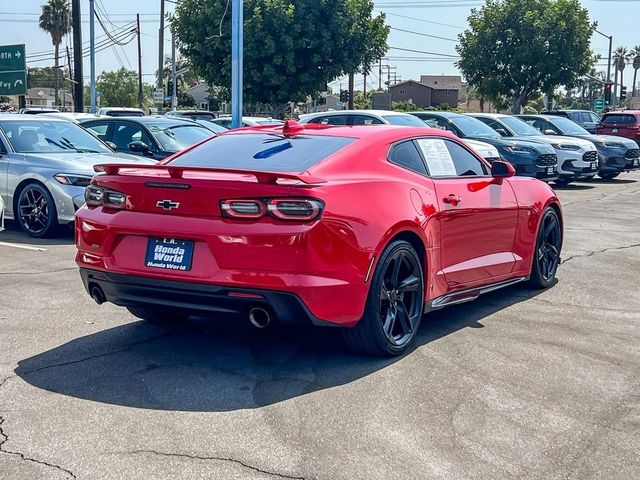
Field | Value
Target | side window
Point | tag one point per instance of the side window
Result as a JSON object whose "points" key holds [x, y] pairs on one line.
{"points": [[445, 158], [575, 116], [495, 125], [99, 130], [366, 120], [331, 120], [593, 117], [539, 125], [125, 133], [406, 155]]}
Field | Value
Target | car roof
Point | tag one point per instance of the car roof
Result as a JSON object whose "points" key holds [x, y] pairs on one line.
{"points": [[378, 132], [30, 118], [439, 113], [146, 120], [380, 113], [490, 115], [630, 112]]}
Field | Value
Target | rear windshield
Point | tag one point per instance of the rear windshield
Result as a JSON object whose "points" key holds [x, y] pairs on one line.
{"points": [[618, 118], [263, 152]]}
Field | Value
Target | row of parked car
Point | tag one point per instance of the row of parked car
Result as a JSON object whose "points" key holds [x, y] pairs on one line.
{"points": [[47, 160], [549, 147]]}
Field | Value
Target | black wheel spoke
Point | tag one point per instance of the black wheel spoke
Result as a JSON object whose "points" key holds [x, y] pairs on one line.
{"points": [[395, 272], [389, 323], [405, 321], [549, 229], [409, 284]]}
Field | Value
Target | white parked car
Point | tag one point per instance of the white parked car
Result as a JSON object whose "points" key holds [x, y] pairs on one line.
{"points": [[225, 121], [381, 117]]}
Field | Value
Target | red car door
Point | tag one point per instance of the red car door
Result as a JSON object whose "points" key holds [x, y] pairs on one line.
{"points": [[477, 216]]}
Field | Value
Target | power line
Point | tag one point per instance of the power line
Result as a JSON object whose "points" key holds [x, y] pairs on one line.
{"points": [[425, 52], [423, 34], [424, 21]]}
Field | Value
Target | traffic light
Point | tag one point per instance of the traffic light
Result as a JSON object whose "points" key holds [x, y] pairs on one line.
{"points": [[344, 96], [607, 94], [623, 94]]}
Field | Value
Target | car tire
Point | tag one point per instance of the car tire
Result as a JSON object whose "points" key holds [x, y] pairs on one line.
{"points": [[546, 255], [154, 315], [394, 304], [608, 175], [35, 211]]}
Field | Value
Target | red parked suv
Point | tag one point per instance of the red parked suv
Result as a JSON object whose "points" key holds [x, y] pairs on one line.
{"points": [[625, 123]]}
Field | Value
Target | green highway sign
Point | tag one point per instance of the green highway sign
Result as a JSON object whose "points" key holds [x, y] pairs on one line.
{"points": [[598, 104], [13, 70]]}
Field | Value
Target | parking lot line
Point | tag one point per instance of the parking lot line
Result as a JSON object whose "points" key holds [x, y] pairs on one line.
{"points": [[23, 247]]}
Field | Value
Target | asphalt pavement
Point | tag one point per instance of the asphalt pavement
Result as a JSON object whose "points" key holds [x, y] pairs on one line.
{"points": [[518, 384]]}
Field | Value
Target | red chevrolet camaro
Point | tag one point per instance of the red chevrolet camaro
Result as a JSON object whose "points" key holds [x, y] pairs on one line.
{"points": [[364, 228]]}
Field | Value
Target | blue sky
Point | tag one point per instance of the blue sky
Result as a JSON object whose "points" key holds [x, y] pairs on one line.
{"points": [[439, 18]]}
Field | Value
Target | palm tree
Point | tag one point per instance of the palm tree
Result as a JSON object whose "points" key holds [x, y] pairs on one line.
{"points": [[635, 52], [620, 58], [56, 21]]}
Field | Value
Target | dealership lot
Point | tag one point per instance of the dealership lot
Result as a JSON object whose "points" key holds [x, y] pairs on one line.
{"points": [[520, 383]]}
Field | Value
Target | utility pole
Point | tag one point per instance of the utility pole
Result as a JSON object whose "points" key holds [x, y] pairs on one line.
{"points": [[174, 93], [610, 37], [364, 89], [69, 67], [140, 94], [237, 33], [161, 49], [92, 54], [351, 81], [380, 74], [78, 85]]}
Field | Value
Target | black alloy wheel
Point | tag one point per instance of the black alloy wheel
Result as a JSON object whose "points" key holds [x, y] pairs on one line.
{"points": [[547, 252], [36, 211], [394, 305]]}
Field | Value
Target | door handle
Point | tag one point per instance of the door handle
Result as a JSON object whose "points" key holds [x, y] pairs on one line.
{"points": [[452, 199]]}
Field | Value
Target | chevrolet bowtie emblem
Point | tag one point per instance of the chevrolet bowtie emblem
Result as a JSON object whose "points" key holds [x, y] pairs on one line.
{"points": [[167, 204]]}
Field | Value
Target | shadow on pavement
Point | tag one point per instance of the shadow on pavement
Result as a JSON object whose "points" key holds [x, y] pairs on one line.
{"points": [[613, 181], [224, 365], [14, 234], [572, 186]]}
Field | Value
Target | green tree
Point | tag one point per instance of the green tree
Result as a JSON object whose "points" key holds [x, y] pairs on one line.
{"points": [[55, 19], [292, 49], [620, 58], [118, 88], [518, 48], [635, 53], [46, 77]]}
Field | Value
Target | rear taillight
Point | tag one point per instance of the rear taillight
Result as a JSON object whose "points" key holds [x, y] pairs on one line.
{"points": [[96, 196], [242, 208], [295, 208], [292, 209]]}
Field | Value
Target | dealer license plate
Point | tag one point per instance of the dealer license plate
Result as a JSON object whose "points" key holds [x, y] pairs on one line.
{"points": [[594, 166], [169, 254], [549, 170]]}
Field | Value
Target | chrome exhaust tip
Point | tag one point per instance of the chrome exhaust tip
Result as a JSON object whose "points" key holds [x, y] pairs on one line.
{"points": [[259, 317], [98, 295]]}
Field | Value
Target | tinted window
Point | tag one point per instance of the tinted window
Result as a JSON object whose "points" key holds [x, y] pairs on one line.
{"points": [[593, 117], [495, 126], [99, 130], [125, 133], [174, 138], [366, 120], [50, 137], [225, 123], [575, 116], [568, 127], [406, 120], [406, 155], [263, 152], [618, 118], [331, 120], [519, 127], [466, 164], [472, 127], [445, 158]]}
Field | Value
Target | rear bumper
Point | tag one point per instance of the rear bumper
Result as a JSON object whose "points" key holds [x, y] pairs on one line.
{"points": [[198, 299]]}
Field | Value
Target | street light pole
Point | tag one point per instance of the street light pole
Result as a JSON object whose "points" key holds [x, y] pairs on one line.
{"points": [[174, 92], [92, 54], [236, 62], [610, 37]]}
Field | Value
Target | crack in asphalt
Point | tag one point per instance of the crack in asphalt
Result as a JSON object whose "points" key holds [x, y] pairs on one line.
{"points": [[66, 269], [604, 250], [127, 348], [6, 379], [4, 438], [220, 459]]}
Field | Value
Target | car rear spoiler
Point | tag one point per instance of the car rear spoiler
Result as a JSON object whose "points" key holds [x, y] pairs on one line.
{"points": [[178, 171]]}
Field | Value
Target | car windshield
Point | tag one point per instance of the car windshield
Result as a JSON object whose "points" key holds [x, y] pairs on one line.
{"points": [[263, 152], [474, 128], [177, 137], [214, 127], [520, 127], [50, 137], [406, 120], [568, 127]]}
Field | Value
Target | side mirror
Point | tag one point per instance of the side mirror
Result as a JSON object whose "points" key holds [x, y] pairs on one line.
{"points": [[502, 132], [548, 131], [139, 147], [112, 146], [500, 169]]}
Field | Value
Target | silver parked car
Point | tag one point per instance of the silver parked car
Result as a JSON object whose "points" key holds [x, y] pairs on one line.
{"points": [[45, 165]]}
